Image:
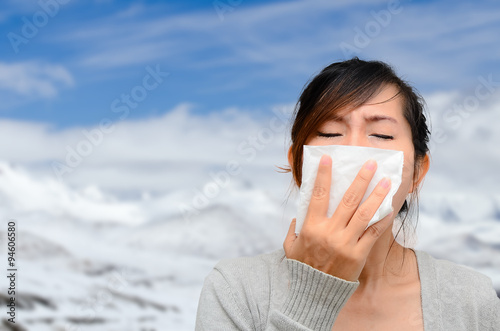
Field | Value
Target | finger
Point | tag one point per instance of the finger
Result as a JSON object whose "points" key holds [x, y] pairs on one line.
{"points": [[318, 206], [365, 212], [373, 232], [354, 194], [290, 237]]}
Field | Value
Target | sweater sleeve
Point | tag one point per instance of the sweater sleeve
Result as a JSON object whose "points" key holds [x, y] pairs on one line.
{"points": [[312, 302]]}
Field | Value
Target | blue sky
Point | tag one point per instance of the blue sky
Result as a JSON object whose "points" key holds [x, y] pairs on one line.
{"points": [[248, 55]]}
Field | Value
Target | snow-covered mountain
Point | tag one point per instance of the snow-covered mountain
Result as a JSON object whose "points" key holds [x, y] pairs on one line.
{"points": [[141, 265], [89, 261]]}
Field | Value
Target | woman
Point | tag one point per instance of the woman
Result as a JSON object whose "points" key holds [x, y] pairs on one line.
{"points": [[335, 275]]}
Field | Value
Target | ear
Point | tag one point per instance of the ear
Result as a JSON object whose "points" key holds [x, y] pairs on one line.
{"points": [[423, 167], [290, 157]]}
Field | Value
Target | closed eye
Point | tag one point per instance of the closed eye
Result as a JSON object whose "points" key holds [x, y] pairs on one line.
{"points": [[328, 135], [383, 136]]}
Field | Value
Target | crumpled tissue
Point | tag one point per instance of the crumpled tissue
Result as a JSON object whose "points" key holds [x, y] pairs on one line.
{"points": [[346, 163]]}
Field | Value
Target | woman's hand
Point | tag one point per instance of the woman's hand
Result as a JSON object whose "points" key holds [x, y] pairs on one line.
{"points": [[339, 245]]}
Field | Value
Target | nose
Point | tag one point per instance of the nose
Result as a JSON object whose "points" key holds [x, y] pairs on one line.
{"points": [[356, 138]]}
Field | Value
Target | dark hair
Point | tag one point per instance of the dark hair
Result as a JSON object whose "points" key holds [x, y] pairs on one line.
{"points": [[345, 86]]}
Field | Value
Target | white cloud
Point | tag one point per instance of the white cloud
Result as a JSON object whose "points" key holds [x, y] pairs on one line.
{"points": [[21, 192], [465, 143], [182, 150], [177, 150], [33, 79]]}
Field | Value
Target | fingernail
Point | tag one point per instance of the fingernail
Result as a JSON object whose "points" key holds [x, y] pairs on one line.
{"points": [[370, 165], [325, 159], [385, 183]]}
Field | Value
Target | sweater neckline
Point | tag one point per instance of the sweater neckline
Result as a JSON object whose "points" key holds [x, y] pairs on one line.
{"points": [[431, 308], [419, 267]]}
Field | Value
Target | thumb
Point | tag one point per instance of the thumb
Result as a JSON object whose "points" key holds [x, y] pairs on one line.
{"points": [[385, 222], [373, 232], [290, 237], [376, 230]]}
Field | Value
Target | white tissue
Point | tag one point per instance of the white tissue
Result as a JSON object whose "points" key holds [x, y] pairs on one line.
{"points": [[346, 163]]}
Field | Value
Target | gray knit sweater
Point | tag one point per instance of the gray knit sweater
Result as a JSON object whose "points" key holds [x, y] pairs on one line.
{"points": [[270, 292]]}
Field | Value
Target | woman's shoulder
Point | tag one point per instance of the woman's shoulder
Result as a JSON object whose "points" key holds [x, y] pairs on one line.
{"points": [[446, 271], [456, 293], [240, 291], [264, 261], [250, 271], [254, 283]]}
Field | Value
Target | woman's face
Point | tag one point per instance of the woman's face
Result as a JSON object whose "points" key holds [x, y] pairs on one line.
{"points": [[379, 124]]}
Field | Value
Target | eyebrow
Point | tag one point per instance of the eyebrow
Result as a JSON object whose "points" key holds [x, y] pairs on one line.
{"points": [[376, 118], [372, 118]]}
